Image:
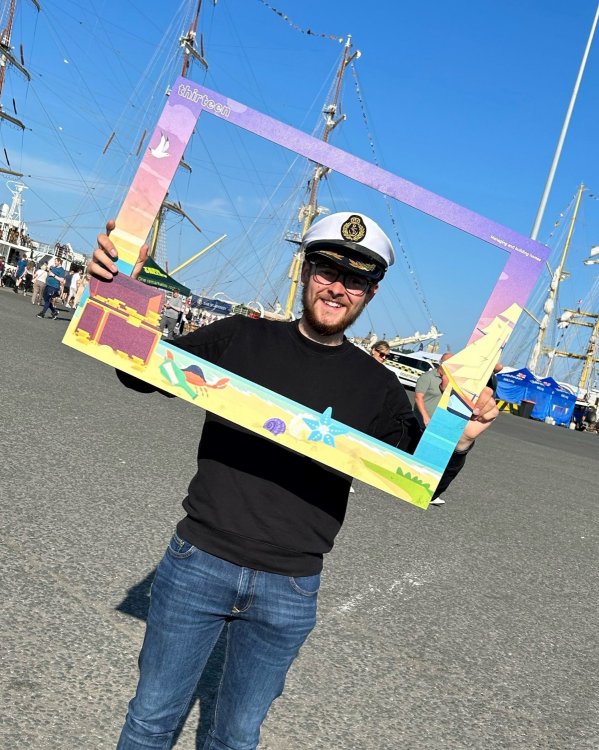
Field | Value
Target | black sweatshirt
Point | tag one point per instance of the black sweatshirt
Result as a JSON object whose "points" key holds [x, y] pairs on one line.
{"points": [[255, 503]]}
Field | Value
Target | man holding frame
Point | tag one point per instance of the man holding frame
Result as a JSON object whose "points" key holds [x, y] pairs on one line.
{"points": [[259, 517]]}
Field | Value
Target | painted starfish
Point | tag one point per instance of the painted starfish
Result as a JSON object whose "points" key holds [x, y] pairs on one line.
{"points": [[324, 429]]}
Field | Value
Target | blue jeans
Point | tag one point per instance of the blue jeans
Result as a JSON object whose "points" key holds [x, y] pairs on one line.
{"points": [[194, 594], [49, 293]]}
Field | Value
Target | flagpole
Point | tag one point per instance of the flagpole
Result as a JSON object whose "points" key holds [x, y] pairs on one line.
{"points": [[539, 218]]}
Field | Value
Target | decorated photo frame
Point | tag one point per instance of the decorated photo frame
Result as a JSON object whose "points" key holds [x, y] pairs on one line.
{"points": [[118, 322]]}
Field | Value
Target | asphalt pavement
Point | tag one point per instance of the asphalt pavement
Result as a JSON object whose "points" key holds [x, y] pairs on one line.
{"points": [[470, 625]]}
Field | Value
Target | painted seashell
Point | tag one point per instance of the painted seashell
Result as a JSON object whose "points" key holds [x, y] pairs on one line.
{"points": [[275, 425]]}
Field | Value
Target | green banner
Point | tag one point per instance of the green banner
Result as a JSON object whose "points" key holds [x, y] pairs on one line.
{"points": [[153, 275]]}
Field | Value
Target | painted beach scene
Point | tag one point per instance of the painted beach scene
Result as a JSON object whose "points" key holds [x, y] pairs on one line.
{"points": [[118, 324]]}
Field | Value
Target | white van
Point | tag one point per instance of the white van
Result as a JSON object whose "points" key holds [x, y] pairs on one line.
{"points": [[409, 366]]}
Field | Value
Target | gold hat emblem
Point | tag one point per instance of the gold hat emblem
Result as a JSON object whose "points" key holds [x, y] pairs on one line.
{"points": [[354, 229], [361, 265]]}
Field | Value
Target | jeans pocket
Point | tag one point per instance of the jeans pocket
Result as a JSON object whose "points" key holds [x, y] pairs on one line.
{"points": [[305, 585], [179, 547]]}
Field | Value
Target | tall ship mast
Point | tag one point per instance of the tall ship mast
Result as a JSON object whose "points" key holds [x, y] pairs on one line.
{"points": [[590, 320], [191, 54], [14, 237], [310, 210], [557, 277], [8, 60], [15, 241], [569, 317], [188, 44]]}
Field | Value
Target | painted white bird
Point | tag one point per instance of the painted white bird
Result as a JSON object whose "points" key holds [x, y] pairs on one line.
{"points": [[161, 150]]}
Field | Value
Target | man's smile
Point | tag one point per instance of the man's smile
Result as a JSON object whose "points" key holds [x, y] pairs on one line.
{"points": [[331, 303]]}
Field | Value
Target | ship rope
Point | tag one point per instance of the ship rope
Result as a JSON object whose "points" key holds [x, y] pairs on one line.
{"points": [[572, 338], [519, 346], [252, 257], [95, 114], [139, 101], [308, 32], [254, 253], [3, 20], [404, 253], [247, 241]]}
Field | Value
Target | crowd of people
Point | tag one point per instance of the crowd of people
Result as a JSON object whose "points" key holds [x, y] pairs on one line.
{"points": [[180, 316], [52, 283], [46, 283], [16, 236]]}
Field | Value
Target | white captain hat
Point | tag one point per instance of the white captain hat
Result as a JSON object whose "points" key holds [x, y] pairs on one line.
{"points": [[351, 240]]}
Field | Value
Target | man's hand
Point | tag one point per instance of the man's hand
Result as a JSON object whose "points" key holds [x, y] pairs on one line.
{"points": [[484, 414], [103, 264]]}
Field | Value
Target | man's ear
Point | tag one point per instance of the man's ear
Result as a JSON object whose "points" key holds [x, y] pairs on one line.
{"points": [[305, 274], [371, 292]]}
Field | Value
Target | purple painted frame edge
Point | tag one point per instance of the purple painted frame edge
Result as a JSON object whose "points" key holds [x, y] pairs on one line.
{"points": [[526, 256]]}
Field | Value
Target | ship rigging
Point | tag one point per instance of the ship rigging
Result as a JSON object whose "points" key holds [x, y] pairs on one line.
{"points": [[564, 338]]}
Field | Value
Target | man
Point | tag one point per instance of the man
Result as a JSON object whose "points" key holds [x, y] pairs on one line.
{"points": [[248, 554], [428, 391], [173, 308], [380, 351], [20, 273], [54, 282]]}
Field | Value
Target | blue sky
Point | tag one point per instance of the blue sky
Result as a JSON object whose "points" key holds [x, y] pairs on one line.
{"points": [[466, 99]]}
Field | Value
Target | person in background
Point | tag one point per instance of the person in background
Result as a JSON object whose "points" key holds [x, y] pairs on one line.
{"points": [[81, 286], [20, 273], [428, 392], [380, 351], [66, 287], [54, 282], [28, 278], [70, 296], [173, 307], [39, 284], [187, 317]]}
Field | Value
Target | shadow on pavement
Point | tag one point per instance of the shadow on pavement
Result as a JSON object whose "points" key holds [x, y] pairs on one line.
{"points": [[136, 604]]}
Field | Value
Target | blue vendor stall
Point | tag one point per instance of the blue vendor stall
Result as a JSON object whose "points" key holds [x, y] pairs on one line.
{"points": [[549, 397], [511, 386], [539, 391], [563, 402]]}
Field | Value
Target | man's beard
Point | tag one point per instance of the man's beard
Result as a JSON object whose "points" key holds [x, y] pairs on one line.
{"points": [[324, 329]]}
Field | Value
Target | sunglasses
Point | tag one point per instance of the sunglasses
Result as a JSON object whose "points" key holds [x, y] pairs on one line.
{"points": [[381, 355], [355, 285]]}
